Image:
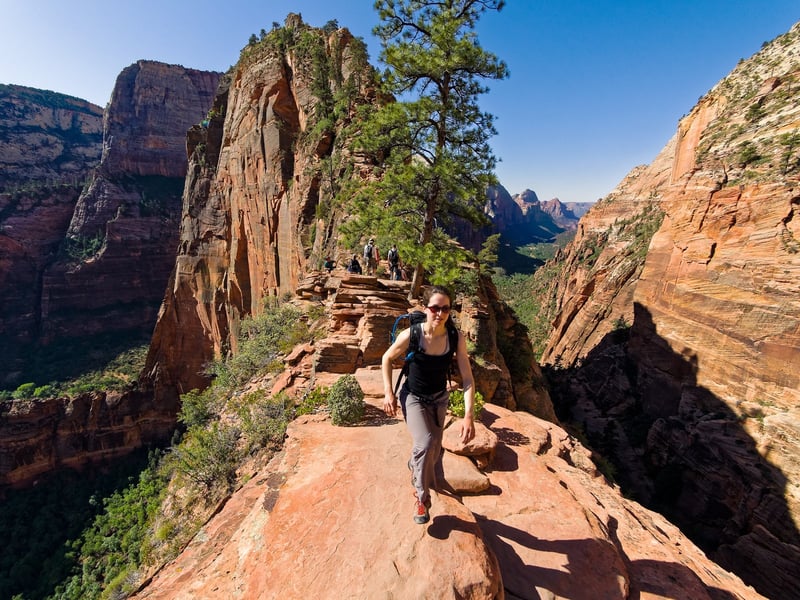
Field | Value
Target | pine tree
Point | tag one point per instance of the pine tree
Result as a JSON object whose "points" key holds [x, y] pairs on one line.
{"points": [[429, 147]]}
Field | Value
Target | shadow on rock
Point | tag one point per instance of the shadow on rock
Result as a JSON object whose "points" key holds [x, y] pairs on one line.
{"points": [[682, 451]]}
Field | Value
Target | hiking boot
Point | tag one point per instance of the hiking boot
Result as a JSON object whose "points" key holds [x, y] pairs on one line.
{"points": [[421, 514]]}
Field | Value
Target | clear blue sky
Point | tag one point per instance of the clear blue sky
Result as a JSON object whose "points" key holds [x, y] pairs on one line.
{"points": [[596, 86]]}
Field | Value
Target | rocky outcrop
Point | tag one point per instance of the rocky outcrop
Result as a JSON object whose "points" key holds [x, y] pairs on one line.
{"points": [[363, 310], [255, 191], [46, 138], [323, 521], [152, 106], [49, 143], [676, 323], [45, 435]]}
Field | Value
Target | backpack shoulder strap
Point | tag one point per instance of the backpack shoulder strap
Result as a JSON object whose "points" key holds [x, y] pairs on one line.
{"points": [[413, 347], [452, 337]]}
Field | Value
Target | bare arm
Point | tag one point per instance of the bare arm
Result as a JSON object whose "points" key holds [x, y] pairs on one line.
{"points": [[464, 367], [394, 352]]}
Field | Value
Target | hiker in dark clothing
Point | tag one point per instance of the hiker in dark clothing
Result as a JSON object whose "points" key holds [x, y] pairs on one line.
{"points": [[354, 266], [393, 258], [424, 396]]}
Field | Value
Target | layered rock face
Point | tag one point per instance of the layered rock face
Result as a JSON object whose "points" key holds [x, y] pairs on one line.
{"points": [[46, 138], [131, 207], [96, 263], [677, 348], [48, 145], [128, 216], [152, 106], [331, 516], [41, 436]]}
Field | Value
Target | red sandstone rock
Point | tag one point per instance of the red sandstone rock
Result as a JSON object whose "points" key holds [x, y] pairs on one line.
{"points": [[330, 517]]}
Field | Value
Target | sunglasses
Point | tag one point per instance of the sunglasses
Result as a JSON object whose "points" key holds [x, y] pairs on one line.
{"points": [[439, 309]]}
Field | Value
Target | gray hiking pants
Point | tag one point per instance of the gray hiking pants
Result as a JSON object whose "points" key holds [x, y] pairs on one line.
{"points": [[425, 418]]}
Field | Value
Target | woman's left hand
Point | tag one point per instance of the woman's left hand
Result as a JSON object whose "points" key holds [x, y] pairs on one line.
{"points": [[467, 430]]}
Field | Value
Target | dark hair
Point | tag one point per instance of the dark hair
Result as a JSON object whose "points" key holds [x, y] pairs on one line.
{"points": [[435, 289]]}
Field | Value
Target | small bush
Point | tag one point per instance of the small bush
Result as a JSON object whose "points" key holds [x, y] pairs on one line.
{"points": [[197, 408], [264, 419], [262, 341], [346, 401], [209, 456], [457, 403], [45, 391], [312, 401], [24, 391]]}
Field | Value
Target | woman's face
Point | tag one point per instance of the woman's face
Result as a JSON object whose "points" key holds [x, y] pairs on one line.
{"points": [[438, 309]]}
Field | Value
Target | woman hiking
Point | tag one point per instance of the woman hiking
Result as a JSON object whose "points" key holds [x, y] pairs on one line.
{"points": [[424, 396]]}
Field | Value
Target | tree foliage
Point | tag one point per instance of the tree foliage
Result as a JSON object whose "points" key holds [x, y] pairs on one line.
{"points": [[430, 148]]}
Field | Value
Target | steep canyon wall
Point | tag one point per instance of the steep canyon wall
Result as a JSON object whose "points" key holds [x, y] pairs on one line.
{"points": [[82, 267], [677, 323], [255, 184]]}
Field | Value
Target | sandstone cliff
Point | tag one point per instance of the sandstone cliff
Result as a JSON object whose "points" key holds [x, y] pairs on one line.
{"points": [[81, 264], [46, 138], [330, 517], [56, 295], [676, 323], [257, 207], [523, 219], [49, 143], [131, 206]]}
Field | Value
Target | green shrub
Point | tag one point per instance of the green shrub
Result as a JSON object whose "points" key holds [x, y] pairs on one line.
{"points": [[747, 153], [81, 247], [264, 419], [262, 340], [24, 391], [45, 391], [346, 401], [209, 456], [197, 408], [457, 403], [312, 401]]}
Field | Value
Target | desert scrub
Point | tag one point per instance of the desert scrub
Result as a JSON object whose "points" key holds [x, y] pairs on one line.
{"points": [[262, 340], [346, 401], [264, 419], [312, 400], [209, 456]]}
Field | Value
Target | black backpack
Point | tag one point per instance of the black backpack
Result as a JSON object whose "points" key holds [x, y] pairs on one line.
{"points": [[415, 320]]}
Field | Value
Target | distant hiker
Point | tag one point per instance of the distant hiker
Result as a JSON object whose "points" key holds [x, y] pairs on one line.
{"points": [[371, 256], [354, 266], [424, 396], [393, 258], [329, 264]]}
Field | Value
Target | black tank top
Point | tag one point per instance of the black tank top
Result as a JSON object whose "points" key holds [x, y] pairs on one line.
{"points": [[427, 373]]}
